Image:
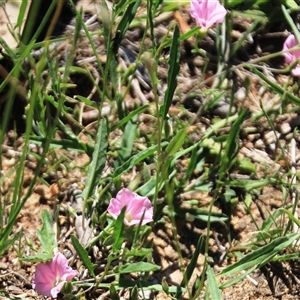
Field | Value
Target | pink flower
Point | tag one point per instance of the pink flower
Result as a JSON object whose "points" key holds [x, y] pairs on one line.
{"points": [[137, 207], [50, 277], [290, 57], [207, 12]]}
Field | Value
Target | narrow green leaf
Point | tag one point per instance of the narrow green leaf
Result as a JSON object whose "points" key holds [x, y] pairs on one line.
{"points": [[262, 254], [127, 141], [118, 231], [232, 145], [175, 144], [194, 161], [291, 4], [275, 87], [191, 266], [138, 267], [85, 100], [249, 185], [139, 252], [190, 33], [30, 21], [108, 241], [76, 33], [291, 216], [22, 11], [135, 160], [98, 160], [11, 54], [193, 263], [148, 189], [7, 243], [46, 234], [291, 22], [106, 20], [212, 219], [113, 293], [127, 18], [172, 73], [27, 34], [287, 257], [120, 6], [41, 257], [237, 278], [290, 240], [64, 144], [82, 253], [242, 40], [134, 295], [130, 116], [203, 215], [214, 291], [271, 220]]}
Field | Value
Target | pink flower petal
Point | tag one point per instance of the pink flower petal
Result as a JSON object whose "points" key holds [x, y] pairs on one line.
{"points": [[50, 277], [62, 270], [44, 289], [43, 274], [114, 208], [58, 264], [137, 207], [296, 71], [292, 56], [56, 290], [207, 13]]}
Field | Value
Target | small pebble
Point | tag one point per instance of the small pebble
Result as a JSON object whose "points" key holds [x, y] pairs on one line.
{"points": [[272, 146], [189, 217], [271, 137], [14, 289], [285, 128], [240, 95], [253, 136], [261, 91], [289, 136], [259, 144]]}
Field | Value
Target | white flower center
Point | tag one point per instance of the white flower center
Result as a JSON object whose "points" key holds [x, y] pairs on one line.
{"points": [[57, 281], [128, 217]]}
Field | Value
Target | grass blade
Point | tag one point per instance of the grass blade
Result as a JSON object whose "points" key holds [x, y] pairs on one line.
{"points": [[127, 19], [291, 22], [263, 254], [118, 231], [127, 141], [277, 89], [130, 116], [138, 267], [173, 72], [98, 159], [83, 255], [176, 143], [214, 290], [135, 160], [191, 266], [232, 145]]}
